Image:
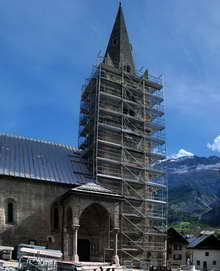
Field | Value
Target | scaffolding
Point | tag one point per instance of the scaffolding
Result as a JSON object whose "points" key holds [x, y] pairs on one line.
{"points": [[122, 137]]}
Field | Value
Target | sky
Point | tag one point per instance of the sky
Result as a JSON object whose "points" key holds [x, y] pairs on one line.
{"points": [[48, 48]]}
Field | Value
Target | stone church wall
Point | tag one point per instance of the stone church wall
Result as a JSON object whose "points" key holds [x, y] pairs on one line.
{"points": [[32, 202]]}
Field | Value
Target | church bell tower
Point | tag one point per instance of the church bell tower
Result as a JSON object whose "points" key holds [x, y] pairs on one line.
{"points": [[121, 136]]}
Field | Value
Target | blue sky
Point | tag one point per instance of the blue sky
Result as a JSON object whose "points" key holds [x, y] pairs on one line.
{"points": [[47, 50]]}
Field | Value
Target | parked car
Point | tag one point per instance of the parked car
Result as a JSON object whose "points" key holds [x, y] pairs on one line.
{"points": [[6, 252]]}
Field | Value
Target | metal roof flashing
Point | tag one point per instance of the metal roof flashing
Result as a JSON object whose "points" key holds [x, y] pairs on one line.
{"points": [[91, 189]]}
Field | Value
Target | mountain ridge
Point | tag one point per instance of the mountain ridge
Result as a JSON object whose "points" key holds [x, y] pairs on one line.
{"points": [[194, 188]]}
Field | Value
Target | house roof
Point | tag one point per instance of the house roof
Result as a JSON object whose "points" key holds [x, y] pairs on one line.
{"points": [[175, 236], [40, 160], [93, 187], [205, 241]]}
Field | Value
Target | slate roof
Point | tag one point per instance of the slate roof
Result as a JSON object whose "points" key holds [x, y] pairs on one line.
{"points": [[197, 240], [40, 160], [205, 241]]}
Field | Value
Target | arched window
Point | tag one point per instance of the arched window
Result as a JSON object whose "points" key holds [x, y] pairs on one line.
{"points": [[127, 68], [10, 211]]}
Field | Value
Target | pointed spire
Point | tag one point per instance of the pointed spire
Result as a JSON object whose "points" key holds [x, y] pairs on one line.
{"points": [[119, 49]]}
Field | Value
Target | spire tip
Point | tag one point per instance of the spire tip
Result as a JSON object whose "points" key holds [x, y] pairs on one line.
{"points": [[119, 52]]}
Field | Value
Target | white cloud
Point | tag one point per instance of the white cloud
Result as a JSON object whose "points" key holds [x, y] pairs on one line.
{"points": [[215, 146], [181, 153]]}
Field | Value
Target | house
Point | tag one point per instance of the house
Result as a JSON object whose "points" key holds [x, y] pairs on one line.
{"points": [[205, 251], [177, 252]]}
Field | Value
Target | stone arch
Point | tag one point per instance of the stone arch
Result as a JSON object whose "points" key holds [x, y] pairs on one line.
{"points": [[106, 205], [94, 232]]}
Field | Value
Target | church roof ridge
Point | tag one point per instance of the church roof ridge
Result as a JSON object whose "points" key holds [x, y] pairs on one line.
{"points": [[41, 141]]}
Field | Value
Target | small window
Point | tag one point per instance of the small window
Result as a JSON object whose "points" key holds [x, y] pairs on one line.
{"points": [[131, 113], [114, 42], [10, 211], [206, 253], [133, 99], [103, 74], [148, 254], [125, 110], [127, 68], [214, 262], [177, 257], [197, 262]]}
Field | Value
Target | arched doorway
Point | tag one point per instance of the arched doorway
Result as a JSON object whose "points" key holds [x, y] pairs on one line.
{"points": [[93, 238]]}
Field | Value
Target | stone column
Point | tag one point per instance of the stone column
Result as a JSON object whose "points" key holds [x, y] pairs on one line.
{"points": [[115, 257], [75, 256], [65, 244]]}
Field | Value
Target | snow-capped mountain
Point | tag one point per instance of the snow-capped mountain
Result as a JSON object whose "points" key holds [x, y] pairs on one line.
{"points": [[194, 187], [181, 154]]}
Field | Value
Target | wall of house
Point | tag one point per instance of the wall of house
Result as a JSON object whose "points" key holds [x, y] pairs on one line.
{"points": [[200, 255], [32, 202], [177, 254]]}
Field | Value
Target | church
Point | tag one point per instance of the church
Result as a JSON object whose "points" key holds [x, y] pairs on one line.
{"points": [[105, 200]]}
